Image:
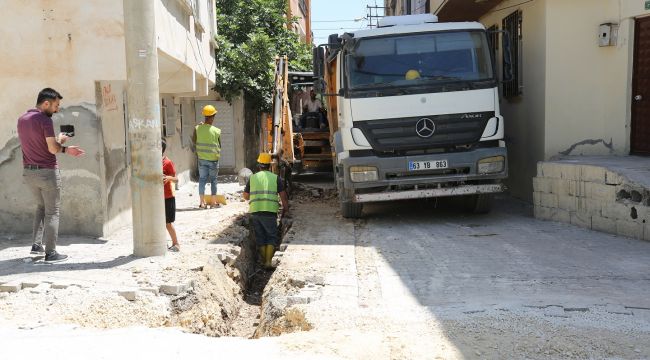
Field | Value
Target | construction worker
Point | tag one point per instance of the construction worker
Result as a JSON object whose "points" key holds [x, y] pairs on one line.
{"points": [[264, 189], [207, 144]]}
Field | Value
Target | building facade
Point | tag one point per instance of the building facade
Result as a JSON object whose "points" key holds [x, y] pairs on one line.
{"points": [[78, 48], [580, 82], [301, 9]]}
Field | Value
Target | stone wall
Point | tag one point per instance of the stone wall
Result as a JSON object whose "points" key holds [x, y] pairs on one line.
{"points": [[592, 197]]}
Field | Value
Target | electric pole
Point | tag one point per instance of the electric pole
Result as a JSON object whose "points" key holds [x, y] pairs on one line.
{"points": [[149, 237]]}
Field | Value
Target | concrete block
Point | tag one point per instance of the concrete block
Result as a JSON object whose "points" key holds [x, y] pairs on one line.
{"points": [[567, 202], [563, 187], [569, 171], [595, 174], [612, 178], [12, 286], [551, 170], [60, 285], [617, 211], [560, 215], [581, 219], [30, 284], [542, 213], [40, 289], [540, 171], [600, 191], [590, 206], [130, 295], [537, 198], [541, 184], [173, 289], [629, 229], [603, 224], [153, 290], [548, 200]]}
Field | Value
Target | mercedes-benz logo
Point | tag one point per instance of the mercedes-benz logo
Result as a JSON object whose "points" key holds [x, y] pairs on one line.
{"points": [[425, 127]]}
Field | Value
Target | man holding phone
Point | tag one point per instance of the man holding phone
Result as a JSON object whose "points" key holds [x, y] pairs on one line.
{"points": [[41, 170]]}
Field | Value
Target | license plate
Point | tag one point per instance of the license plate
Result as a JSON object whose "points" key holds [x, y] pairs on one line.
{"points": [[428, 165]]}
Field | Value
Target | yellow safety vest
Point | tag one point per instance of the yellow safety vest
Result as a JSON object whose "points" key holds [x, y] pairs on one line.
{"points": [[207, 142], [264, 192]]}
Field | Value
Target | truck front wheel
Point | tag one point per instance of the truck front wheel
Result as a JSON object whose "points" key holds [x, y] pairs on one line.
{"points": [[351, 210]]}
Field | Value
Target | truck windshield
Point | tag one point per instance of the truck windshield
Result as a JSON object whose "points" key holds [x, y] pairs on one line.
{"points": [[421, 59]]}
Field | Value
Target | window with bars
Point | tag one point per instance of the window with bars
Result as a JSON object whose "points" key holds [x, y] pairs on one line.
{"points": [[512, 24]]}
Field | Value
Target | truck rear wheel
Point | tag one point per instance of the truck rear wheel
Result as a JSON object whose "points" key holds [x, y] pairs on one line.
{"points": [[351, 210], [479, 204]]}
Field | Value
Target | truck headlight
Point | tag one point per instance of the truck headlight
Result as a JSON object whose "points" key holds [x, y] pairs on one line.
{"points": [[491, 165], [363, 173]]}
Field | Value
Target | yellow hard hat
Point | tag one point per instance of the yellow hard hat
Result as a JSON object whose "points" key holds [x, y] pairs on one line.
{"points": [[209, 110], [264, 158], [412, 75]]}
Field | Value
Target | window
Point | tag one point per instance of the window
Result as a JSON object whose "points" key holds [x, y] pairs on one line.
{"points": [[303, 8], [168, 124], [512, 24]]}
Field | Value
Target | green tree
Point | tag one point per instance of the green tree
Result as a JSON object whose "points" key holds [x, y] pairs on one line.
{"points": [[250, 35]]}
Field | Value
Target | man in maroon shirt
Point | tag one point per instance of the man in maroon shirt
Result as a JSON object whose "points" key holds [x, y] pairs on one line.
{"points": [[41, 170]]}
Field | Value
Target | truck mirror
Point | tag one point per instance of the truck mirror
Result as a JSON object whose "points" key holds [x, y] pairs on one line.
{"points": [[319, 61], [334, 42], [507, 57]]}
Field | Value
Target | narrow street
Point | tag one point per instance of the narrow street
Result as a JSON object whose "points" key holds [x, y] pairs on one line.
{"points": [[411, 280]]}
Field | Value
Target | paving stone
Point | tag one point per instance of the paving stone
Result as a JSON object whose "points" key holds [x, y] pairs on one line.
{"points": [[40, 289], [130, 295], [30, 284], [618, 309], [14, 286], [153, 290], [173, 289], [555, 311]]}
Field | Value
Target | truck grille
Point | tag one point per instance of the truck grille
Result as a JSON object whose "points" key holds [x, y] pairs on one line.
{"points": [[391, 135]]}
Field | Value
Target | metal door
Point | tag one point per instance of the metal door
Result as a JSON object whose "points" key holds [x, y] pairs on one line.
{"points": [[224, 120], [640, 135]]}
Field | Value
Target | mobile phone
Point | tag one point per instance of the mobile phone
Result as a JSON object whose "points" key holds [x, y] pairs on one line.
{"points": [[68, 130]]}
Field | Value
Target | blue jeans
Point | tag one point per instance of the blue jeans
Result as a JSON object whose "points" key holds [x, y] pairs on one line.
{"points": [[208, 170]]}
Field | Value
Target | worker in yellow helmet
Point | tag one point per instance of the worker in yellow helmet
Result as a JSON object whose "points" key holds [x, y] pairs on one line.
{"points": [[265, 189], [206, 141], [412, 75]]}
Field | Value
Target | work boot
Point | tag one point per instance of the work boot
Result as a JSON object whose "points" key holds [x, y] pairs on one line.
{"points": [[268, 256]]}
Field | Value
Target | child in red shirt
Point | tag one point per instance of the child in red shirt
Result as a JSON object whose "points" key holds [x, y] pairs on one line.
{"points": [[169, 177]]}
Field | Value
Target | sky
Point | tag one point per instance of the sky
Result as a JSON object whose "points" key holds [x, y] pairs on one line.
{"points": [[337, 16]]}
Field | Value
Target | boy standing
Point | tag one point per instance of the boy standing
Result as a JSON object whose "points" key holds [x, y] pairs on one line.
{"points": [[169, 178]]}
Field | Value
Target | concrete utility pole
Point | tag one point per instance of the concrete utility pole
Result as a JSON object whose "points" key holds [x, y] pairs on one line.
{"points": [[144, 129]]}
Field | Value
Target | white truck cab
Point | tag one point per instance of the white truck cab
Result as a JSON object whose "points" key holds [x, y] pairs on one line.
{"points": [[417, 109]]}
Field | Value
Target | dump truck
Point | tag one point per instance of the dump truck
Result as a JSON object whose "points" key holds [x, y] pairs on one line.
{"points": [[413, 107]]}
